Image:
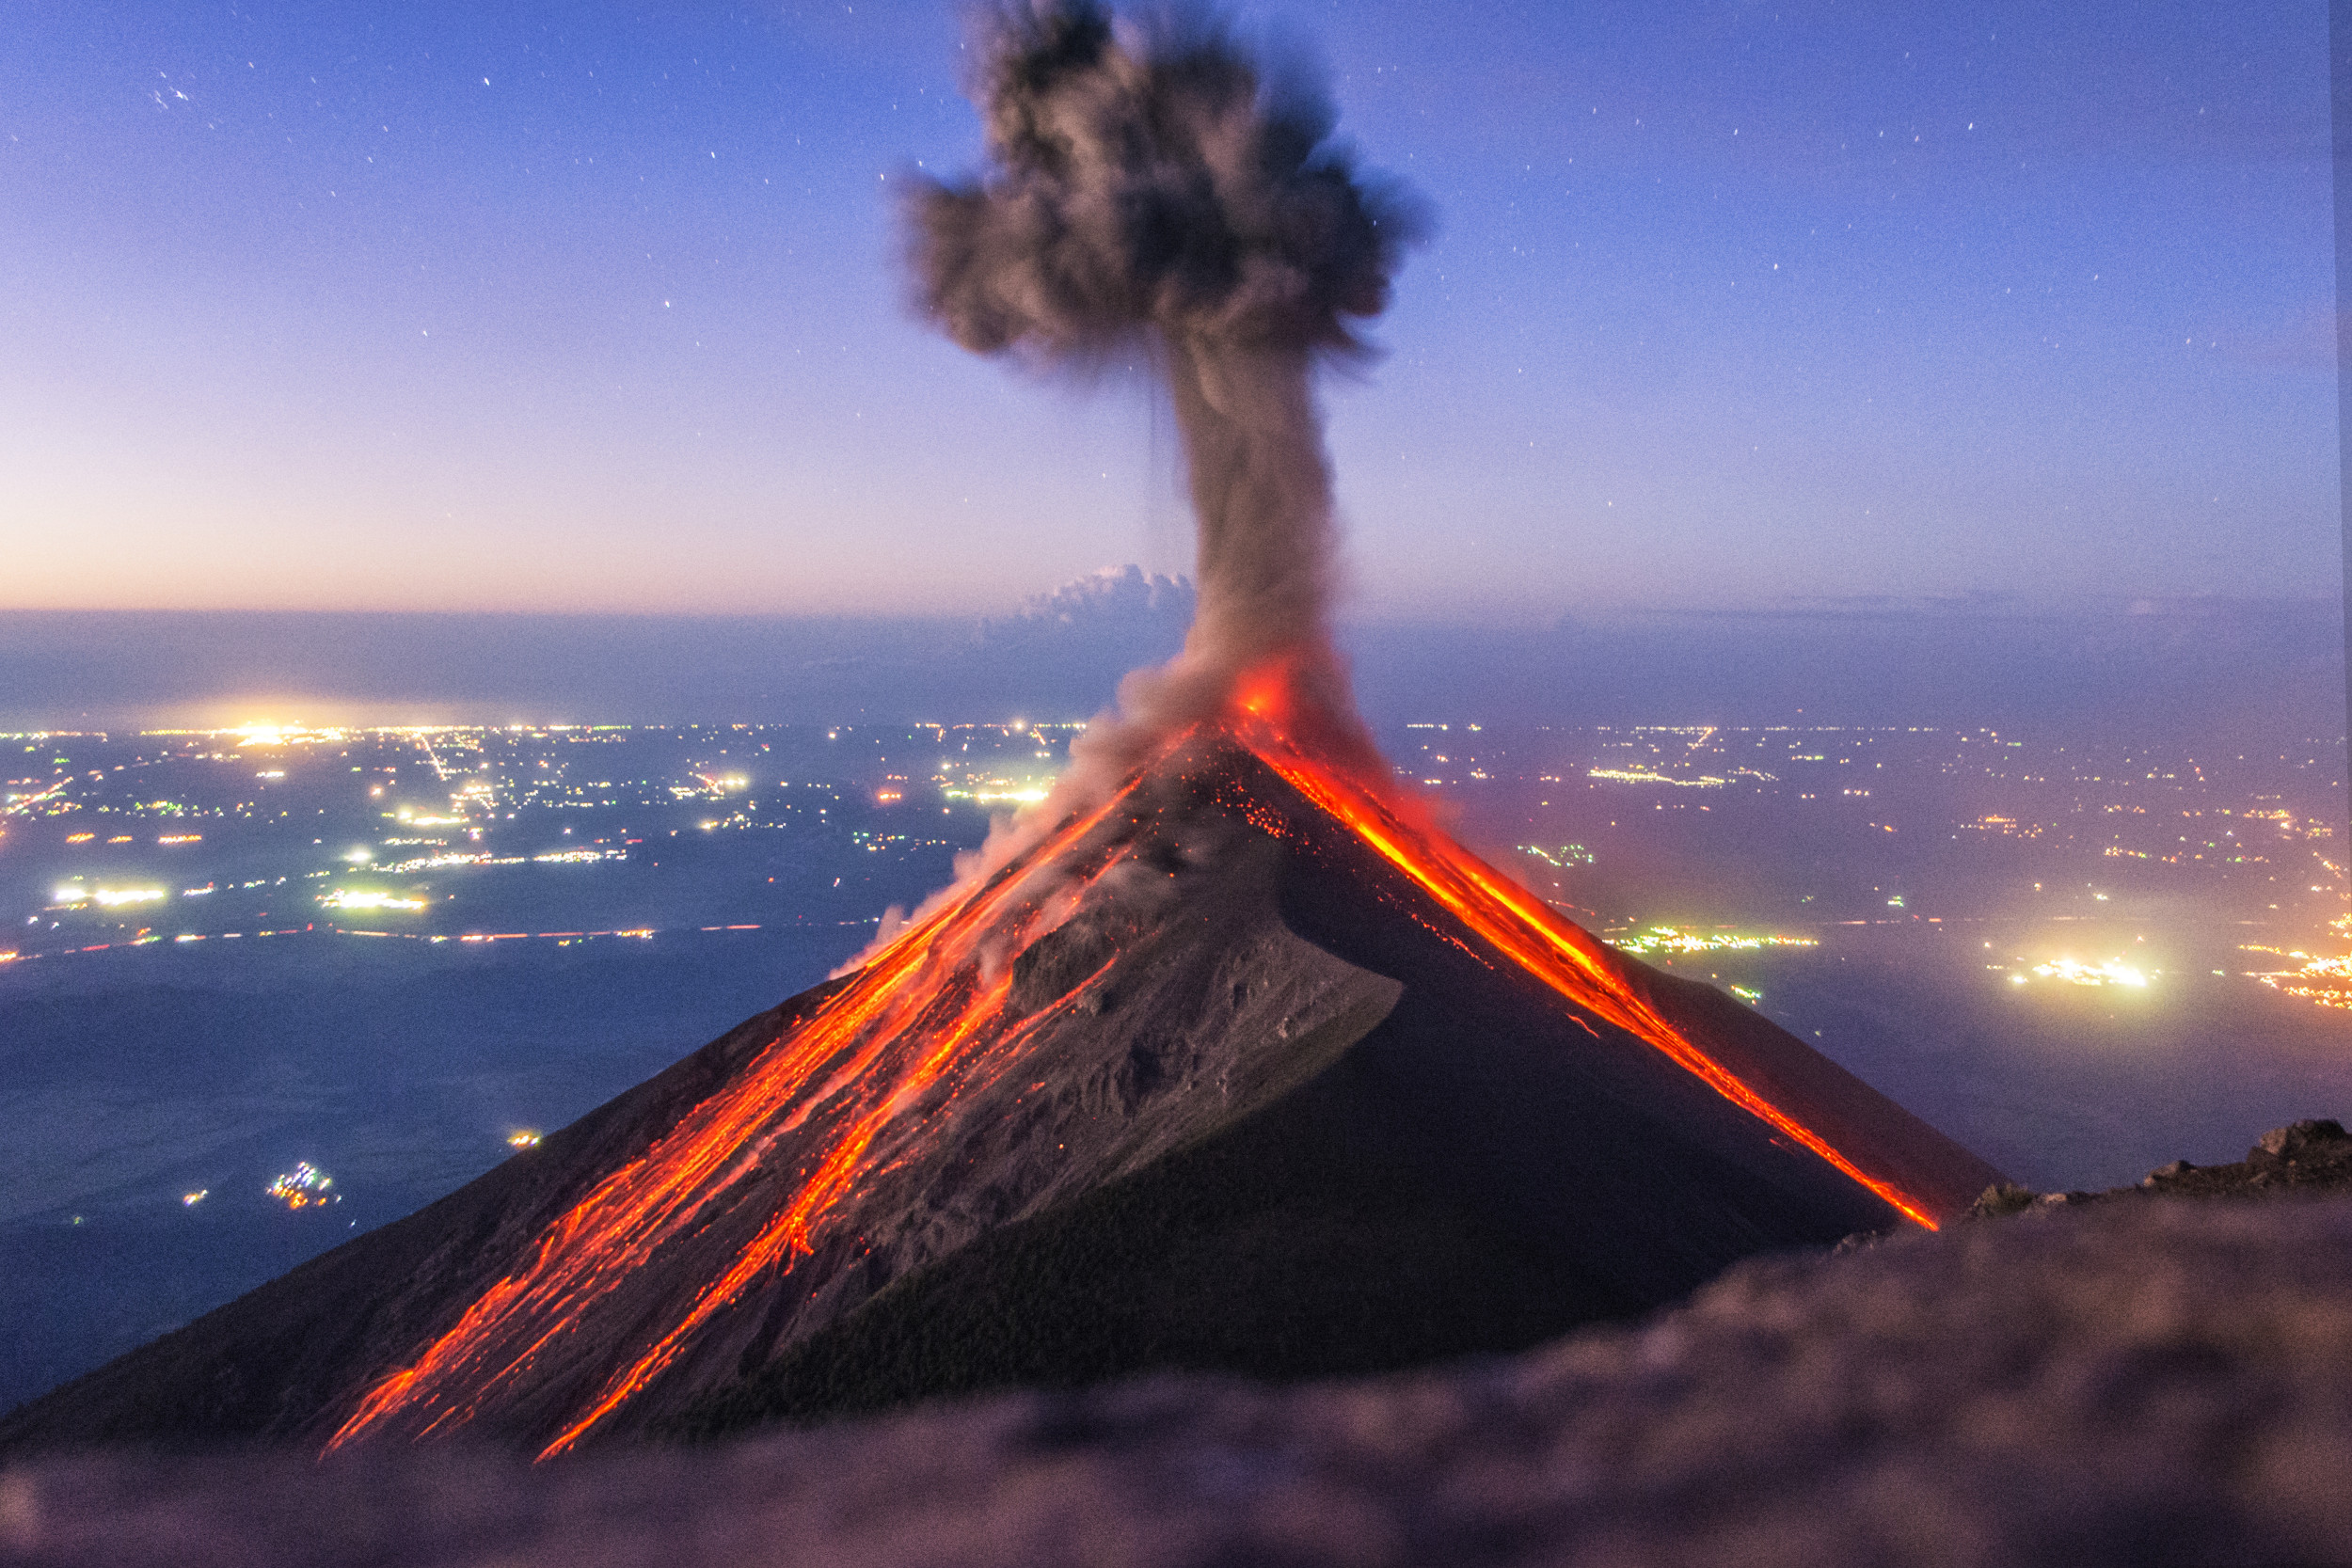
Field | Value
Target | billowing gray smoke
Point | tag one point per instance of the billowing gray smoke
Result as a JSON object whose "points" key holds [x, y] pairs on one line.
{"points": [[1151, 188]]}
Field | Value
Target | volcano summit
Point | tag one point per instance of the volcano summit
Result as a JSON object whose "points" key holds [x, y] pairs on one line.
{"points": [[1245, 1069]]}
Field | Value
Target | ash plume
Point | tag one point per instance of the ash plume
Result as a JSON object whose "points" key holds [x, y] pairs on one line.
{"points": [[1152, 187]]}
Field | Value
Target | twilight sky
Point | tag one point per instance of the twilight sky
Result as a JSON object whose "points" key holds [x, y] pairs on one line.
{"points": [[536, 305]]}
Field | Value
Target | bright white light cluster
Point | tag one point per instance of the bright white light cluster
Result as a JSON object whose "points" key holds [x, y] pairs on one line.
{"points": [[1650, 775], [306, 1186], [1667, 938], [356, 898], [2114, 971], [109, 896]]}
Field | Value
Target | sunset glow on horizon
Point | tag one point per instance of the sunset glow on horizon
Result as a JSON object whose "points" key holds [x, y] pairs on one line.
{"points": [[575, 310]]}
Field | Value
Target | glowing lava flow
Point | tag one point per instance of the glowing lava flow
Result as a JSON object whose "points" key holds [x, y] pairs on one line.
{"points": [[788, 1232], [925, 987], [929, 1015], [1521, 927]]}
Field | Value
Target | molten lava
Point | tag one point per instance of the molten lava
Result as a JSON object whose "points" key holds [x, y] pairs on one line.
{"points": [[904, 1021], [1521, 927], [926, 1018]]}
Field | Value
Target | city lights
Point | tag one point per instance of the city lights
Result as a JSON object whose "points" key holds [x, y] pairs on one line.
{"points": [[1670, 940], [1018, 795], [1650, 775], [2069, 835], [304, 1187], [2325, 982], [108, 897], [354, 898], [2321, 979], [2114, 971]]}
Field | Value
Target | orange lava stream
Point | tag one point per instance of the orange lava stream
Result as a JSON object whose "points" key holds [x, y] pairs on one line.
{"points": [[788, 1232], [924, 992], [617, 1227], [1525, 929], [792, 1230]]}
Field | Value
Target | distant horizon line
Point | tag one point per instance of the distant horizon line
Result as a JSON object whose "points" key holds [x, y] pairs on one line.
{"points": [[1986, 604]]}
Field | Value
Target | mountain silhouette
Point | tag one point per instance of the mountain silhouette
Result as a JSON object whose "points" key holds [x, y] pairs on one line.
{"points": [[1246, 1068]]}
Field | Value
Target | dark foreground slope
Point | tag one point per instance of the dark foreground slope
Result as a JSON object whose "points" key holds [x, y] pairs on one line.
{"points": [[1259, 1104], [2143, 1385], [276, 1355]]}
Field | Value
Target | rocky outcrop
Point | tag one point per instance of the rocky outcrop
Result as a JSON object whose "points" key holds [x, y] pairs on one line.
{"points": [[2139, 1384], [2311, 1156]]}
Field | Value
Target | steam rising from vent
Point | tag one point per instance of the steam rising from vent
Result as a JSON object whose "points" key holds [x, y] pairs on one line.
{"points": [[1152, 188]]}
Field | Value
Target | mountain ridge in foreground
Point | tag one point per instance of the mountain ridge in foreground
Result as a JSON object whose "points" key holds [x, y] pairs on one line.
{"points": [[1241, 1071], [2151, 1382]]}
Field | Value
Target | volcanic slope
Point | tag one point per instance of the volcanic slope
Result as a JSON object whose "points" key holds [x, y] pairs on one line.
{"points": [[1241, 1071]]}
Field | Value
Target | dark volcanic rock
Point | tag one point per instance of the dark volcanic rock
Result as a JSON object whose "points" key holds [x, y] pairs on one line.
{"points": [[2313, 1156], [2306, 1156], [2132, 1386], [1305, 1241]]}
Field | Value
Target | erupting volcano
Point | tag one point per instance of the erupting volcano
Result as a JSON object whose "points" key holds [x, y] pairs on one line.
{"points": [[1227, 1055], [1248, 1066]]}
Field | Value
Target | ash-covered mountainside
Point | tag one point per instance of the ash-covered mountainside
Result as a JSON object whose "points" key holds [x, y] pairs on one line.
{"points": [[1205, 1081]]}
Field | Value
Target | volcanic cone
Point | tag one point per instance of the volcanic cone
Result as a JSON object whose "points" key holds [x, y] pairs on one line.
{"points": [[1245, 1069]]}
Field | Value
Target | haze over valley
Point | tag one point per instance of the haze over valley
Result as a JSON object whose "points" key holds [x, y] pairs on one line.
{"points": [[387, 956]]}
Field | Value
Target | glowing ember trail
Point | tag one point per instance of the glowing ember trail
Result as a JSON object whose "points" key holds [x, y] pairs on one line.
{"points": [[929, 1014], [788, 1232], [923, 988], [1523, 928]]}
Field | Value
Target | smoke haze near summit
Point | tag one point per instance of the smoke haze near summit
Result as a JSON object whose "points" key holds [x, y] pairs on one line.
{"points": [[1152, 184]]}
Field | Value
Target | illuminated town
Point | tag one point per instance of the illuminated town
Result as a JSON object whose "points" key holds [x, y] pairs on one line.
{"points": [[448, 834], [2075, 861], [2119, 869], [397, 954], [304, 1187]]}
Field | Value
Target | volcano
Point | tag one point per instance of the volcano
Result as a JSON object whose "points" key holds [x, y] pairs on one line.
{"points": [[1250, 1067], [1225, 1056]]}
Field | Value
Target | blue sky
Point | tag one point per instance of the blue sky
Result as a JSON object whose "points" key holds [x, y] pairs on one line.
{"points": [[584, 306]]}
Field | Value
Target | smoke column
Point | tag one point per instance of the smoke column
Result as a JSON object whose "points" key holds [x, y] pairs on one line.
{"points": [[1151, 188]]}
